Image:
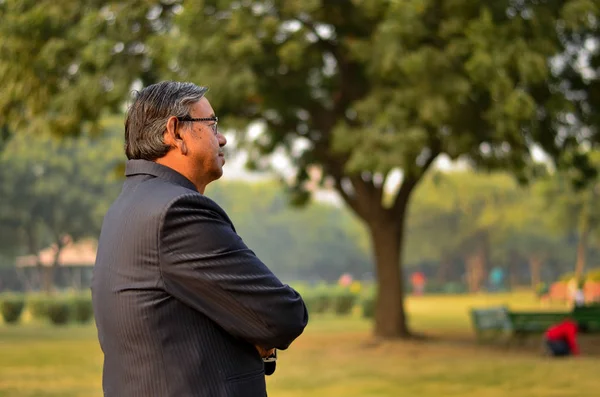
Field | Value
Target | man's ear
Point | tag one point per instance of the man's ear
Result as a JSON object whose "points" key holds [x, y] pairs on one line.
{"points": [[172, 136]]}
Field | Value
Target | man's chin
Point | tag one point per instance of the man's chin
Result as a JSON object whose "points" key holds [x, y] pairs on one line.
{"points": [[218, 172]]}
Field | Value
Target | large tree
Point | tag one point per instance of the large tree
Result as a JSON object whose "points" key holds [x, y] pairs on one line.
{"points": [[373, 86], [355, 88]]}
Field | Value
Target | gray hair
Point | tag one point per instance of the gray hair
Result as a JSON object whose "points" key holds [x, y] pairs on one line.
{"points": [[147, 117]]}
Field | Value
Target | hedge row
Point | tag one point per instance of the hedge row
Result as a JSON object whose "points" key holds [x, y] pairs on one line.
{"points": [[58, 310], [339, 301], [62, 310]]}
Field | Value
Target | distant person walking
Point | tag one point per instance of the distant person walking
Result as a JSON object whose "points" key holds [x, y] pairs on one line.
{"points": [[183, 307]]}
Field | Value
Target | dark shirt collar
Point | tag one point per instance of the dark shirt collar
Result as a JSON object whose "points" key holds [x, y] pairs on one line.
{"points": [[145, 167]]}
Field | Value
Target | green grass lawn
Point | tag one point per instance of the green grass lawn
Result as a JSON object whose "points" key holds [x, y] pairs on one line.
{"points": [[335, 357]]}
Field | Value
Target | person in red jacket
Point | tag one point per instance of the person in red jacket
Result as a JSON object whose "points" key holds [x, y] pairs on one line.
{"points": [[561, 339]]}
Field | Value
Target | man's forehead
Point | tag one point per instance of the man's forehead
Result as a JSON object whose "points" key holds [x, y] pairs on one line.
{"points": [[202, 108]]}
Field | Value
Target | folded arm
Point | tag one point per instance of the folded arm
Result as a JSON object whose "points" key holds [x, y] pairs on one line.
{"points": [[206, 265]]}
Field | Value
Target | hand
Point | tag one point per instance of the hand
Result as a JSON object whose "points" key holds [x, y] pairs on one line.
{"points": [[264, 352]]}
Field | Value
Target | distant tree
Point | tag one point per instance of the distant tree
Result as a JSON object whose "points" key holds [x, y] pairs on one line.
{"points": [[460, 215], [573, 210], [55, 191], [319, 242]]}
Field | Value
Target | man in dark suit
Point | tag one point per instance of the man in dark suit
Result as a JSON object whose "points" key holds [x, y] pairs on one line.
{"points": [[182, 306]]}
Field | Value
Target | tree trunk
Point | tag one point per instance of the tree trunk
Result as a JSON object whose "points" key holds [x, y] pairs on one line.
{"points": [[535, 268], [513, 269], [390, 317], [476, 265], [33, 247], [48, 279], [443, 270], [582, 250], [51, 270], [386, 228]]}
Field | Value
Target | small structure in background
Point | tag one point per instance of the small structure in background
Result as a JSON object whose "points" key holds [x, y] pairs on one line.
{"points": [[74, 270]]}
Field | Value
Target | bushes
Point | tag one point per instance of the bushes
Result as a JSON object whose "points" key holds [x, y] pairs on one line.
{"points": [[343, 302], [317, 301], [82, 309], [58, 310], [454, 288], [368, 307], [12, 307], [37, 306], [331, 299]]}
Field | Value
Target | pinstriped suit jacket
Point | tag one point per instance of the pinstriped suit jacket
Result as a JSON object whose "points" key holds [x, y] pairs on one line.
{"points": [[179, 299]]}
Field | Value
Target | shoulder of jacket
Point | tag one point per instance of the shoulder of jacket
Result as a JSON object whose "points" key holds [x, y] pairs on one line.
{"points": [[188, 198]]}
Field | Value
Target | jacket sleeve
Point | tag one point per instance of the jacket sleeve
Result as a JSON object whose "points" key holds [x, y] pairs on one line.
{"points": [[206, 265]]}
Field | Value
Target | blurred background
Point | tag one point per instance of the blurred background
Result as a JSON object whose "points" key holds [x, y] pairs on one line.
{"points": [[424, 172]]}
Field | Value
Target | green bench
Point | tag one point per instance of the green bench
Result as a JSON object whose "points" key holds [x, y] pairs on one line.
{"points": [[526, 324], [589, 315], [490, 323]]}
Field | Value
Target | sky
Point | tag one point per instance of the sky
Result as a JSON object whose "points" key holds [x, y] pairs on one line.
{"points": [[235, 167]]}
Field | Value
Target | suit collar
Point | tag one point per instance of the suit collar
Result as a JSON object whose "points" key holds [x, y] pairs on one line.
{"points": [[145, 167]]}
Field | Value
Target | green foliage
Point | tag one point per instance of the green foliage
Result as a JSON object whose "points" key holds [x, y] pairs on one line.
{"points": [[82, 309], [64, 63], [37, 306], [593, 275], [330, 298], [377, 86], [343, 301], [318, 301], [368, 86], [319, 242], [11, 307], [368, 307], [56, 190], [59, 311], [541, 289], [454, 288]]}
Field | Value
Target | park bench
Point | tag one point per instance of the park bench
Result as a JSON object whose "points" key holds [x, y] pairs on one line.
{"points": [[525, 324], [490, 323], [589, 315]]}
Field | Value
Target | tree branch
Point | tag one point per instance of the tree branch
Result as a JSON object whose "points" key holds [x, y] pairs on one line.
{"points": [[350, 201], [409, 183]]}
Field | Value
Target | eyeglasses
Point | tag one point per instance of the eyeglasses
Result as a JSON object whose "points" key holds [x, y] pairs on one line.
{"points": [[213, 126]]}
